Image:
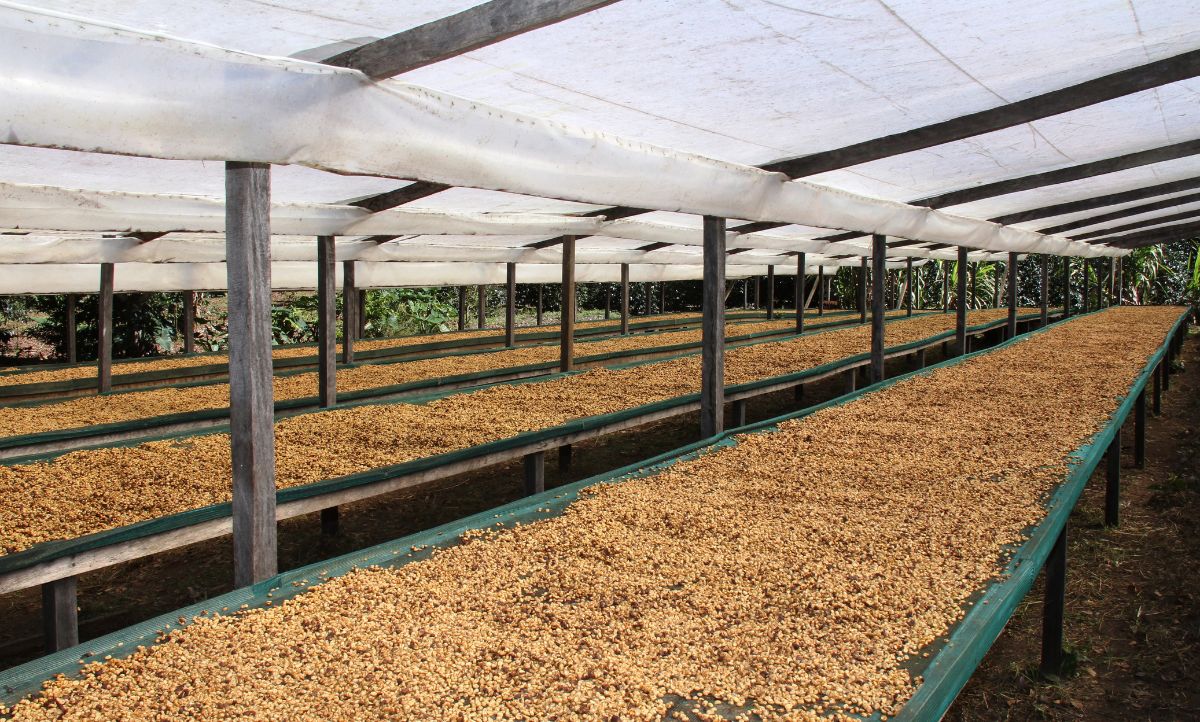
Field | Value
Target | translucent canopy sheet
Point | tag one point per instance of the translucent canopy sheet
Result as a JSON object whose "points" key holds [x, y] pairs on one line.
{"points": [[297, 275], [91, 86]]}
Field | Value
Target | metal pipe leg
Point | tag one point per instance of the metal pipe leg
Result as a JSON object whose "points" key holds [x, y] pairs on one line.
{"points": [[535, 473], [1054, 656], [60, 615], [1112, 489]]}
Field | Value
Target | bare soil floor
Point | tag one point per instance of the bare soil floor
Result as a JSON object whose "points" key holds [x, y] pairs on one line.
{"points": [[1133, 593]]}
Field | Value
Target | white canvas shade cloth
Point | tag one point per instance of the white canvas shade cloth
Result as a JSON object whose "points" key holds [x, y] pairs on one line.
{"points": [[178, 95]]}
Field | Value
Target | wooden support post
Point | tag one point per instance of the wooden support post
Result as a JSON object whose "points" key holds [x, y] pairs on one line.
{"points": [[349, 312], [1112, 488], [920, 359], [535, 472], [69, 327], [1066, 287], [945, 286], [360, 315], [60, 614], [607, 302], [481, 305], [1054, 656], [821, 290], [712, 366], [800, 292], [326, 321], [1139, 430], [851, 380], [1045, 290], [252, 404], [960, 311], [739, 413], [1012, 295], [330, 518], [624, 299], [1119, 281], [974, 285], [770, 293], [662, 296], [566, 454], [104, 326], [648, 297], [862, 291], [510, 305], [462, 308], [567, 321], [540, 304], [1087, 286], [189, 321], [878, 271], [908, 286], [996, 287]]}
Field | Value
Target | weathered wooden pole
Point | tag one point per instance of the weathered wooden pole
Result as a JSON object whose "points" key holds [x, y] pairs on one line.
{"points": [[960, 310], [862, 291], [567, 321], [1112, 487], [607, 302], [908, 286], [1087, 286], [800, 292], [1139, 430], [251, 407], [712, 364], [770, 293], [510, 305], [946, 286], [1066, 286], [327, 345], [648, 297], [624, 299], [70, 326], [349, 312], [104, 327], [1012, 295], [1045, 290], [326, 320], [189, 321], [878, 271], [662, 296], [996, 288], [1119, 282], [462, 308], [974, 284], [822, 290], [539, 304], [360, 316], [481, 305], [60, 616]]}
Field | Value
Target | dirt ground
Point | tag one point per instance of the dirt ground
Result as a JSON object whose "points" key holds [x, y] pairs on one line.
{"points": [[1133, 620]]}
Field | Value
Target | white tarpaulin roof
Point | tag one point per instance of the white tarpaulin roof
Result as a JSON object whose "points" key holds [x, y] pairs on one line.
{"points": [[641, 103]]}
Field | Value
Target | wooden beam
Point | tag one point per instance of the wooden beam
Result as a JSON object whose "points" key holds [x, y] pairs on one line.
{"points": [[1108, 199], [70, 326], [770, 293], [1054, 656], [654, 246], [1066, 261], [349, 312], [1045, 295], [462, 308], [960, 304], [1062, 175], [326, 321], [1122, 213], [535, 472], [566, 324], [1104, 234], [1080, 95], [821, 290], [712, 354], [908, 286], [862, 290], [510, 305], [878, 269], [456, 34], [540, 305], [1154, 235], [104, 328], [252, 404], [414, 191], [481, 305]]}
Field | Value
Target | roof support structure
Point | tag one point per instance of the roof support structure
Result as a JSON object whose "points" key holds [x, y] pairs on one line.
{"points": [[1122, 213], [1154, 235], [1102, 234], [1108, 199], [326, 321], [566, 323], [712, 353], [878, 258]]}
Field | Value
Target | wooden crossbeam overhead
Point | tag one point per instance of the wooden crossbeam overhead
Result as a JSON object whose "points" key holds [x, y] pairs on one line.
{"points": [[1103, 232], [414, 191], [456, 34], [654, 246], [1091, 92], [1123, 213], [1155, 235], [1087, 204]]}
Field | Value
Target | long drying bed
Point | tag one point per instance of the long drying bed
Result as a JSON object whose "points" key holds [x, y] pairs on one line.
{"points": [[850, 560]]}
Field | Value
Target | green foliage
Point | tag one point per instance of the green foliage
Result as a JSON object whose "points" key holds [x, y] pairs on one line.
{"points": [[406, 311], [144, 324]]}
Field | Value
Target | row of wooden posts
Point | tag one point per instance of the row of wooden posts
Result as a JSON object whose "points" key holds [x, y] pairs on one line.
{"points": [[250, 361]]}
